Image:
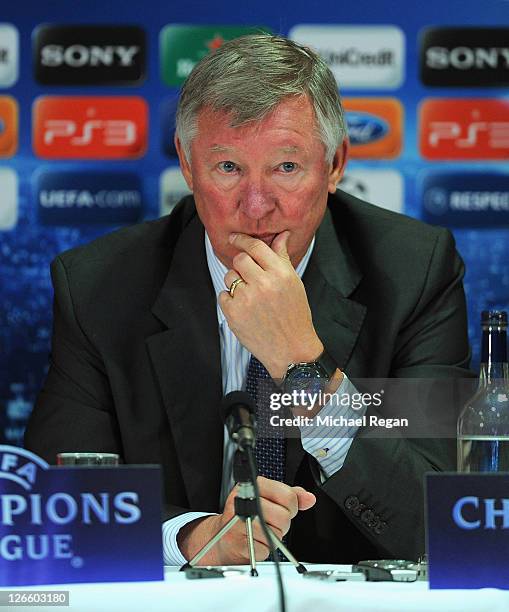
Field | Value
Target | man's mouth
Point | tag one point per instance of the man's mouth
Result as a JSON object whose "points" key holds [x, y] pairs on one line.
{"points": [[267, 238]]}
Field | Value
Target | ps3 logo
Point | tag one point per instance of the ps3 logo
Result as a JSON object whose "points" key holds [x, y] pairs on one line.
{"points": [[90, 127], [496, 133], [364, 128], [110, 133], [464, 129]]}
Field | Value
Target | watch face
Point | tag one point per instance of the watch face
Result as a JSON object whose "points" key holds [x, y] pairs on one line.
{"points": [[309, 377]]}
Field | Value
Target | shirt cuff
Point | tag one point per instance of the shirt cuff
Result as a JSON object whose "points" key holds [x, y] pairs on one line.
{"points": [[171, 551], [331, 451]]}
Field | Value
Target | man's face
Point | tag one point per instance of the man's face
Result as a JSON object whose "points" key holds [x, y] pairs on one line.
{"points": [[262, 178]]}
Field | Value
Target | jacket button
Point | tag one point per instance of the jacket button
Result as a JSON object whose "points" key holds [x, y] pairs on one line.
{"points": [[368, 517], [380, 527], [357, 511], [351, 502]]}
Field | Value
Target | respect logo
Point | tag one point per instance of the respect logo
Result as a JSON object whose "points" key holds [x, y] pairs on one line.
{"points": [[108, 127]]}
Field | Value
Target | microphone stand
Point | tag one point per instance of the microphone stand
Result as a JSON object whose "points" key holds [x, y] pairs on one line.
{"points": [[245, 510]]}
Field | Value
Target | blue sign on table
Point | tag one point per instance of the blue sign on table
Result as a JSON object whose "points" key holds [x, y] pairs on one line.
{"points": [[77, 524], [468, 530]]}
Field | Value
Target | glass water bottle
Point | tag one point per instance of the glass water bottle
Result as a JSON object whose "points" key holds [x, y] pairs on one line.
{"points": [[483, 426]]}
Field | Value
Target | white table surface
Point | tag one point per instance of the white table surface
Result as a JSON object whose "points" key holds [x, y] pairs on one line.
{"points": [[259, 594]]}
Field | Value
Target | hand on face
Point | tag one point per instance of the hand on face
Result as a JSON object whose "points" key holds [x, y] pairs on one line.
{"points": [[269, 312]]}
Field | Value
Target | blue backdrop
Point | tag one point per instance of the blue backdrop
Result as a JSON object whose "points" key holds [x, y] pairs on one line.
{"points": [[32, 234]]}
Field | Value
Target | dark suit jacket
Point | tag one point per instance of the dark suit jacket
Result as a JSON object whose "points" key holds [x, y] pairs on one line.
{"points": [[135, 365]]}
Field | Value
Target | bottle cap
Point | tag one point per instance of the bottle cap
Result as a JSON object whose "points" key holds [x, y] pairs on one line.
{"points": [[494, 317]]}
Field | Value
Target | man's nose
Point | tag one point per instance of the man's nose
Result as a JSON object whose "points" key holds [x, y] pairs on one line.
{"points": [[256, 201]]}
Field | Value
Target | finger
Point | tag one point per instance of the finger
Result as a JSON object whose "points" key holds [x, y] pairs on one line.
{"points": [[247, 267], [306, 499], [239, 549], [258, 534], [280, 493], [230, 277], [280, 245], [262, 254], [224, 299], [276, 516]]}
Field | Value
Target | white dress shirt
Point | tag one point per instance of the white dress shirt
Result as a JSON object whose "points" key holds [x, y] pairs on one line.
{"points": [[330, 452]]}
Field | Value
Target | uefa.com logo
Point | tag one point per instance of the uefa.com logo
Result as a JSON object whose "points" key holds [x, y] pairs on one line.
{"points": [[90, 127], [464, 128], [89, 55], [465, 57]]}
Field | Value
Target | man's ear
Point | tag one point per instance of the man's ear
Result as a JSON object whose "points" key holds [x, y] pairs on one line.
{"points": [[184, 164], [338, 164]]}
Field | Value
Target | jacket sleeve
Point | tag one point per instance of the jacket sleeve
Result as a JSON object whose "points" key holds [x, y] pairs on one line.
{"points": [[380, 487], [74, 410]]}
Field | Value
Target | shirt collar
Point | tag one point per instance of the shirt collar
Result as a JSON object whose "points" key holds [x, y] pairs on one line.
{"points": [[218, 270]]}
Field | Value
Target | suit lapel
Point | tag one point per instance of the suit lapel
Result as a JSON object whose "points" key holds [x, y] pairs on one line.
{"points": [[187, 364], [330, 278]]}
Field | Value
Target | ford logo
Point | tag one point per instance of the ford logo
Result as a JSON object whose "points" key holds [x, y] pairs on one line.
{"points": [[364, 128]]}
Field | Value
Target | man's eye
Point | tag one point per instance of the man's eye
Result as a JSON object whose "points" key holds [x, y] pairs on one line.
{"points": [[288, 167], [227, 166]]}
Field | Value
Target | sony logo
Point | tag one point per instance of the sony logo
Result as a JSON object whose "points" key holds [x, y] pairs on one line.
{"points": [[467, 58], [77, 55]]}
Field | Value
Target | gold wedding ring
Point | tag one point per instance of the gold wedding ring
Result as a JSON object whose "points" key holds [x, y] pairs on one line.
{"points": [[236, 282]]}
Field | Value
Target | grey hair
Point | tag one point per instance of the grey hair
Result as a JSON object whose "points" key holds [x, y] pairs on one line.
{"points": [[249, 76]]}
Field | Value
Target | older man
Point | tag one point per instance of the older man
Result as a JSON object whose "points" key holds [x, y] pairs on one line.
{"points": [[153, 324]]}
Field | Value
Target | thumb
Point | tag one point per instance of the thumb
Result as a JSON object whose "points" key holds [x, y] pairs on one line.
{"points": [[280, 244], [306, 499]]}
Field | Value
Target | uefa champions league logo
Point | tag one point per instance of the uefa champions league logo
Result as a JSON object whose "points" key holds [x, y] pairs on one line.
{"points": [[20, 466], [32, 512]]}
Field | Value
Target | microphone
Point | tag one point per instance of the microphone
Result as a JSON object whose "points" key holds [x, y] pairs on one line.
{"points": [[237, 410]]}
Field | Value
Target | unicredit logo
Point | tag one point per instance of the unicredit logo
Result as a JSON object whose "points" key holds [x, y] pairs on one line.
{"points": [[465, 57], [76, 55], [359, 57], [363, 57]]}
